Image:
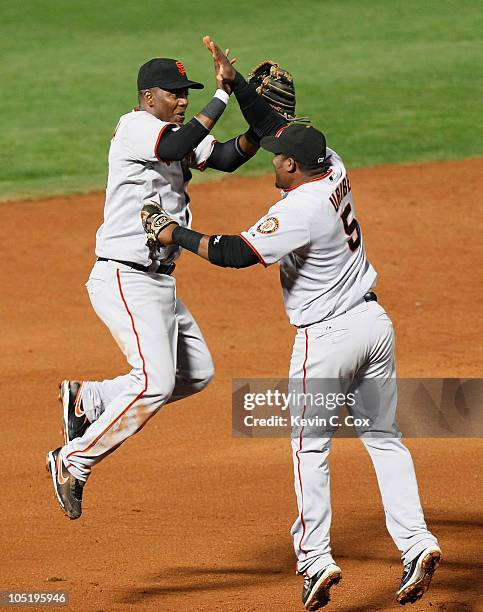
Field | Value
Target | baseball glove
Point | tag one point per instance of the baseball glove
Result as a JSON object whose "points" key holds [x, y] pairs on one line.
{"points": [[154, 219], [277, 87]]}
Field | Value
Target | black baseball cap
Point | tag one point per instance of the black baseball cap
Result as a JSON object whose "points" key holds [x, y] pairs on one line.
{"points": [[302, 142], [165, 73]]}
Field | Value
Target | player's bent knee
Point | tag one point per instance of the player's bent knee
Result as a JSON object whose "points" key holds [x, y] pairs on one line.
{"points": [[206, 377], [205, 370], [159, 391], [201, 384], [199, 381]]}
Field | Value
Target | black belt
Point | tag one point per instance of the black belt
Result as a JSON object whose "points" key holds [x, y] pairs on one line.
{"points": [[370, 296], [155, 268]]}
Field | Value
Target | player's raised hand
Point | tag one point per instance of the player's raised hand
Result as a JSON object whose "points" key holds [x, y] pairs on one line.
{"points": [[225, 73]]}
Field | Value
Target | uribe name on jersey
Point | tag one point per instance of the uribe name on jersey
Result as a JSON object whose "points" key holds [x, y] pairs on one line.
{"points": [[340, 192]]}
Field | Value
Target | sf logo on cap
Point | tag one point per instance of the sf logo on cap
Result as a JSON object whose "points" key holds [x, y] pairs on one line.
{"points": [[180, 68]]}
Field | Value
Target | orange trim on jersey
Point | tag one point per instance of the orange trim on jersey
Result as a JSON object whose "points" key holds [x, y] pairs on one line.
{"points": [[94, 442], [319, 178], [161, 132], [201, 167], [297, 454], [262, 261]]}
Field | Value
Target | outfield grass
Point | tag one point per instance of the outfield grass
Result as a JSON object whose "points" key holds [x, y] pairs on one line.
{"points": [[387, 81]]}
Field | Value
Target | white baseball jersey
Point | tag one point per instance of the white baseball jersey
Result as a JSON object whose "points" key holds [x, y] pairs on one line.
{"points": [[313, 234], [137, 176]]}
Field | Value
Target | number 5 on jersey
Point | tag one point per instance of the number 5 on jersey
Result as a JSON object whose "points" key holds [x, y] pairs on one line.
{"points": [[351, 228]]}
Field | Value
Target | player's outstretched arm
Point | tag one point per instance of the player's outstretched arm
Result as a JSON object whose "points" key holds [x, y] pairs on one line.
{"points": [[221, 250], [230, 155], [258, 113], [177, 141]]}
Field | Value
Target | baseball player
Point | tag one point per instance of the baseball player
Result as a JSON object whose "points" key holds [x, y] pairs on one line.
{"points": [[343, 338], [131, 286]]}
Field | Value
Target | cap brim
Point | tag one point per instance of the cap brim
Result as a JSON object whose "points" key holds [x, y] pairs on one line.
{"points": [[270, 143], [182, 85]]}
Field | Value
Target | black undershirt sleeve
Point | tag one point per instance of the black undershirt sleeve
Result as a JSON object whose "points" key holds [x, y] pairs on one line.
{"points": [[231, 252], [225, 251], [259, 114], [227, 156], [187, 238], [174, 145]]}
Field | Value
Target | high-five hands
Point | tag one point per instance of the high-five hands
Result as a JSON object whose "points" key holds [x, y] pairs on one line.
{"points": [[225, 73]]}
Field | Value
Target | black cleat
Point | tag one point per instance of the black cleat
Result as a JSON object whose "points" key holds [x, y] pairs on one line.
{"points": [[75, 421], [68, 489], [417, 575], [316, 592]]}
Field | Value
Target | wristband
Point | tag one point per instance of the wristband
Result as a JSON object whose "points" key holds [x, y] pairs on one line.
{"points": [[186, 238], [214, 109], [222, 95]]}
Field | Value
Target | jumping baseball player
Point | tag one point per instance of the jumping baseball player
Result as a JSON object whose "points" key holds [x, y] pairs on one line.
{"points": [[342, 335], [131, 286]]}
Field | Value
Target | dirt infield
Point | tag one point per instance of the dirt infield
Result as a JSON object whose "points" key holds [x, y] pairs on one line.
{"points": [[183, 516]]}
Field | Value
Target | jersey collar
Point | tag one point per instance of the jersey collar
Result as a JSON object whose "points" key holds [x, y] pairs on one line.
{"points": [[319, 178]]}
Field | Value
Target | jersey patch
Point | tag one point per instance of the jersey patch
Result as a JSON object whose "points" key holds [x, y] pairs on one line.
{"points": [[269, 226]]}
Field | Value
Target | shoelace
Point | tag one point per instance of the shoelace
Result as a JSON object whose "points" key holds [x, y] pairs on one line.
{"points": [[406, 571]]}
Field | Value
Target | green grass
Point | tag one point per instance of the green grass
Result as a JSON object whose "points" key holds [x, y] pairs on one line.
{"points": [[387, 81]]}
